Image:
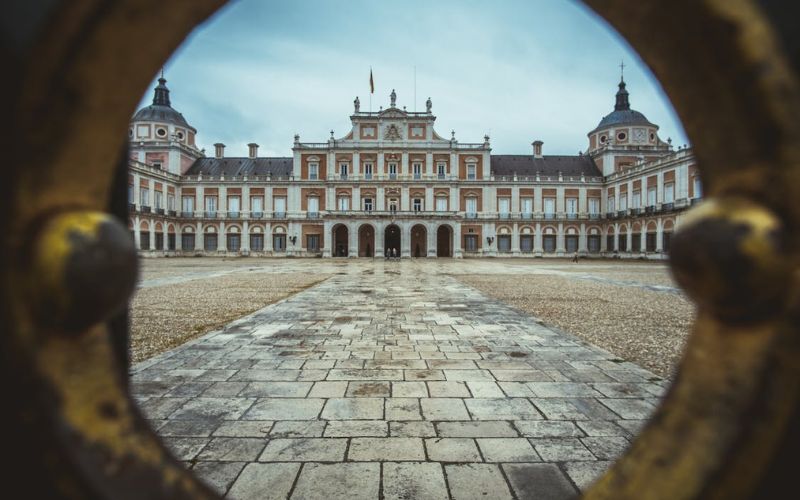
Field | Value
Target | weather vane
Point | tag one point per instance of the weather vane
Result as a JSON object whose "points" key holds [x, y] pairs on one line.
{"points": [[622, 70]]}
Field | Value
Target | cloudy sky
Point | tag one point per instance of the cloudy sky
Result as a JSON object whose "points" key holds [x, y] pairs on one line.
{"points": [[517, 70]]}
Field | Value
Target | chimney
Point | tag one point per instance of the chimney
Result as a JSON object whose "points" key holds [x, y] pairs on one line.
{"points": [[537, 149], [253, 150], [219, 150]]}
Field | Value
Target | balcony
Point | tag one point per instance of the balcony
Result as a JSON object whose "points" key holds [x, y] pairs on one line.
{"points": [[441, 176], [278, 215], [210, 214], [650, 209], [187, 215], [312, 215], [342, 177], [526, 215], [172, 213], [132, 207], [636, 211], [256, 215], [470, 215], [572, 216], [417, 176], [233, 215], [611, 215], [392, 176], [505, 215], [668, 207], [549, 216], [594, 216], [621, 214], [695, 201], [145, 210], [160, 211], [368, 176]]}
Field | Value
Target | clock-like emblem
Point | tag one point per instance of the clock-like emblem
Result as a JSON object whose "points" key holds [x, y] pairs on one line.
{"points": [[639, 135], [392, 133]]}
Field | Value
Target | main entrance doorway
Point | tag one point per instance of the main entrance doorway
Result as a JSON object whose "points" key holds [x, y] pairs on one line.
{"points": [[444, 241], [391, 240], [340, 244], [419, 238], [366, 241]]}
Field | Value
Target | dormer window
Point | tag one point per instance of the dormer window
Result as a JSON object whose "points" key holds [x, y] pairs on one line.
{"points": [[157, 164], [622, 136], [179, 135], [603, 139], [161, 132]]}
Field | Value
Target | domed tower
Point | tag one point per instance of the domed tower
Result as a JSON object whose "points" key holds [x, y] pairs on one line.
{"points": [[624, 137], [161, 137]]}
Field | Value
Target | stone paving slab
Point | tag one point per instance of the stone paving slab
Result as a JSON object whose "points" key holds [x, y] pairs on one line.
{"points": [[380, 383]]}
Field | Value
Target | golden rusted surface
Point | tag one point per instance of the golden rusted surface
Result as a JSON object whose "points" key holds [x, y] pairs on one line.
{"points": [[732, 407], [725, 426]]}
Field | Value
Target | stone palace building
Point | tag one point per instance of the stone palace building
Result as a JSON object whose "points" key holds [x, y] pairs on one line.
{"points": [[393, 185]]}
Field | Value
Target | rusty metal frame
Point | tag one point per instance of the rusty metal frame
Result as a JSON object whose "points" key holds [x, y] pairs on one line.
{"points": [[728, 426]]}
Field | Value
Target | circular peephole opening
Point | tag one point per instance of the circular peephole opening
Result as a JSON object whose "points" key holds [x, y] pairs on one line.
{"points": [[475, 276]]}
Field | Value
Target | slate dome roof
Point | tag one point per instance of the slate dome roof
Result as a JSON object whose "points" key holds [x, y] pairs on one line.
{"points": [[161, 110], [623, 114]]}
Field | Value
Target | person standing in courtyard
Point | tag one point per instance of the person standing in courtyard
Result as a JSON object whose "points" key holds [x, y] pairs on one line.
{"points": [[575, 256]]}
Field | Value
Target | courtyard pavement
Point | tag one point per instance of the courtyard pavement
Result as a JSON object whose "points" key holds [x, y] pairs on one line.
{"points": [[388, 381]]}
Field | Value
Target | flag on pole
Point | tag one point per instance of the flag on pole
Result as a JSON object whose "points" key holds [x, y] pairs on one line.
{"points": [[371, 82]]}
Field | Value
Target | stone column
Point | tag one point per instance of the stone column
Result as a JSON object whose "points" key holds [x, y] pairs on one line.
{"points": [[515, 239], [198, 238], [405, 238], [457, 253], [352, 236], [221, 243], [245, 248], [152, 233], [379, 238], [537, 240], [327, 238], [582, 246], [268, 237], [560, 247], [659, 235], [431, 237], [137, 233]]}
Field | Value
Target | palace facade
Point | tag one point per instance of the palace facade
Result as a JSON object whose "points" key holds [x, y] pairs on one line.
{"points": [[393, 186]]}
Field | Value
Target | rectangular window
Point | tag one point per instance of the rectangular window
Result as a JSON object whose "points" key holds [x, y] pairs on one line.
{"points": [[144, 197], [368, 170], [594, 206], [344, 203], [549, 207], [393, 170], [187, 205], [417, 170], [504, 243], [313, 205], [170, 202], [651, 197], [159, 241], [187, 241], [593, 242], [637, 199], [280, 206], [343, 167], [470, 242], [549, 243], [650, 242], [211, 204], [669, 192], [279, 242], [611, 207], [257, 242], [159, 201], [698, 187], [368, 206], [234, 242], [144, 240], [234, 205], [504, 207], [157, 164], [441, 204], [130, 194], [417, 204], [210, 242], [623, 201], [441, 170], [572, 206], [471, 169], [312, 243], [393, 205], [571, 242], [526, 243], [527, 207], [472, 206], [313, 171], [256, 206]]}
